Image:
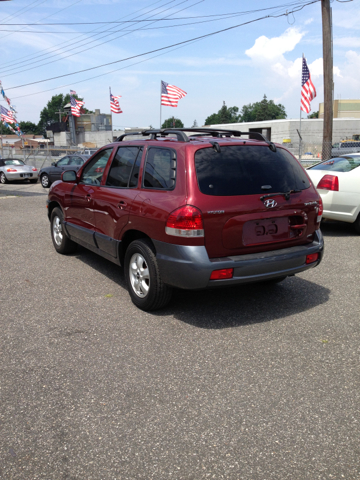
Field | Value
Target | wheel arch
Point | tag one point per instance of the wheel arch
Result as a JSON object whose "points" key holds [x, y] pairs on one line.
{"points": [[129, 237], [51, 205]]}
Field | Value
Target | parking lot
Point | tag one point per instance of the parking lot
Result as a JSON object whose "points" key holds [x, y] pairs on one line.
{"points": [[253, 383]]}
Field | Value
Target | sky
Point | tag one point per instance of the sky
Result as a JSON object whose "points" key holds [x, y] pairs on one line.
{"points": [[258, 53]]}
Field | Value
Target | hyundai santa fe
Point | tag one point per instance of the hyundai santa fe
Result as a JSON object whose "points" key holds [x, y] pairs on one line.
{"points": [[192, 209]]}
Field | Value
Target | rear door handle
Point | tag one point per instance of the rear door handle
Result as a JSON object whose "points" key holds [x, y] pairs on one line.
{"points": [[88, 197], [122, 204]]}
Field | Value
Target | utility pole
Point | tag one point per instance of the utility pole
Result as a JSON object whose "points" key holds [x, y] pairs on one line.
{"points": [[60, 113], [328, 79]]}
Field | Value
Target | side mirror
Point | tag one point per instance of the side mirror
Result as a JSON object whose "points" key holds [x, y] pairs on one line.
{"points": [[69, 176], [53, 164]]}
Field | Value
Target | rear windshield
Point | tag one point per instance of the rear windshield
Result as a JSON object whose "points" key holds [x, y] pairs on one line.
{"points": [[14, 162], [339, 164], [248, 170]]}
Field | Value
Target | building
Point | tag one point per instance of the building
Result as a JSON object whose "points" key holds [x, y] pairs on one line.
{"points": [[343, 109], [30, 141], [287, 131]]}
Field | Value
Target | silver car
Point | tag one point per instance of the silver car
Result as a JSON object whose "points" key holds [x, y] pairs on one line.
{"points": [[12, 169]]}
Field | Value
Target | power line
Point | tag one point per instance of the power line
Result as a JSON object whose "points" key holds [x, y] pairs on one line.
{"points": [[167, 47], [10, 72], [224, 16], [156, 19], [87, 48], [71, 42]]}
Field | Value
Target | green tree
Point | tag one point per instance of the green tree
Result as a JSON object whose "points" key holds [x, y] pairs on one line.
{"points": [[29, 128], [49, 113], [314, 115], [224, 115], [172, 122], [260, 111]]}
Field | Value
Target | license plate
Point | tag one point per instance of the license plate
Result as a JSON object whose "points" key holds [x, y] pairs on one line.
{"points": [[264, 231], [26, 175]]}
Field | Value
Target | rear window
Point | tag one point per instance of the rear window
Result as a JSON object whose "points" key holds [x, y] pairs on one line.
{"points": [[340, 164], [248, 170]]}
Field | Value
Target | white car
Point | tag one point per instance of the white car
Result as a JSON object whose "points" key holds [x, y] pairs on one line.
{"points": [[338, 183]]}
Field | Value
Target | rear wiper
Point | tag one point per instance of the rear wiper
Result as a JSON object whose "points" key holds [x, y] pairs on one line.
{"points": [[286, 194]]}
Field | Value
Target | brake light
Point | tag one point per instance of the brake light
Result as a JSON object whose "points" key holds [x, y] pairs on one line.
{"points": [[185, 221], [313, 257], [320, 212], [11, 170], [329, 182], [222, 274], [34, 169]]}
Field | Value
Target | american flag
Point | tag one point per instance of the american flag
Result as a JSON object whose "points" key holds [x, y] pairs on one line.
{"points": [[72, 92], [114, 104], [170, 95], [308, 91], [76, 106], [6, 115]]}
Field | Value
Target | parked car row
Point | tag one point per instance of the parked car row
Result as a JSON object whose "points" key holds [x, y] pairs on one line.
{"points": [[201, 209]]}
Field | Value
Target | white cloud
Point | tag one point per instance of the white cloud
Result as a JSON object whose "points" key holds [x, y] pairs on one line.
{"points": [[272, 48], [308, 21]]}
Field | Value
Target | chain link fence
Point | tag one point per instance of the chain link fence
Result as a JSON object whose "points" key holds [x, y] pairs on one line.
{"points": [[39, 157]]}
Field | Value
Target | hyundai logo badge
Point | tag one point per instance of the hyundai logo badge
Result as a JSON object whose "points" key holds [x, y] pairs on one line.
{"points": [[270, 203]]}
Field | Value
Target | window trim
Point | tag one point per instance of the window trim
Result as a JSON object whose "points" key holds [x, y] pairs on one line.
{"points": [[144, 169], [87, 162], [140, 149]]}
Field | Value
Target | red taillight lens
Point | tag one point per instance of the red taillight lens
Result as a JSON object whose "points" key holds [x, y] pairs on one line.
{"points": [[313, 257], [222, 274], [329, 182], [185, 221], [34, 169], [11, 170]]}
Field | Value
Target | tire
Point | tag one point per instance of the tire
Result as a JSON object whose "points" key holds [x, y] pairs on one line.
{"points": [[34, 180], [357, 224], [61, 241], [45, 180], [140, 264], [3, 179]]}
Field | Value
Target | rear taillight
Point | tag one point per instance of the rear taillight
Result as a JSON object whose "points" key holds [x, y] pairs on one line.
{"points": [[222, 274], [329, 182], [313, 257], [185, 221], [34, 169], [319, 213], [11, 170]]}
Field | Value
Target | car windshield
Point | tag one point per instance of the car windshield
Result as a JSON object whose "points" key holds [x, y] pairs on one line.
{"points": [[14, 162], [248, 170], [338, 164]]}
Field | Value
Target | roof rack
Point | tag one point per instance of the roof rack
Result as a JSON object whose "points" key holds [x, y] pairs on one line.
{"points": [[198, 132]]}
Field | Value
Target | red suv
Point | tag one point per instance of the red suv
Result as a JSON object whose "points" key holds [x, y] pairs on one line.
{"points": [[192, 209]]}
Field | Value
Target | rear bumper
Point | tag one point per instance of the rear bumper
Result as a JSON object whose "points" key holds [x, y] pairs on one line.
{"points": [[190, 267], [12, 176]]}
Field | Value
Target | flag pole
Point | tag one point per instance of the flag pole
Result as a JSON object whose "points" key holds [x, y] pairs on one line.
{"points": [[112, 132], [302, 61], [160, 103]]}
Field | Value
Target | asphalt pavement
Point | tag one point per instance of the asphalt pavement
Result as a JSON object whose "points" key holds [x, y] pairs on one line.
{"points": [[248, 383]]}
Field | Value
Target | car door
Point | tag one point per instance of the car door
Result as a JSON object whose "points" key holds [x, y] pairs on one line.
{"points": [[56, 170], [79, 202], [113, 199]]}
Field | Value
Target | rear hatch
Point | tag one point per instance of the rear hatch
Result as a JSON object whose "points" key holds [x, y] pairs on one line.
{"points": [[253, 199]]}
